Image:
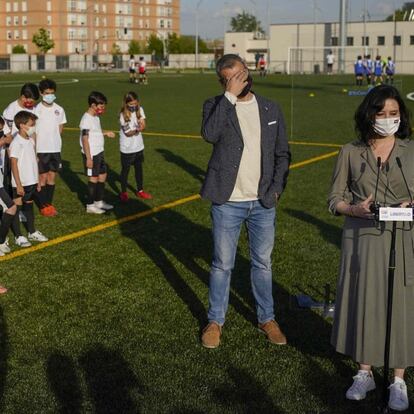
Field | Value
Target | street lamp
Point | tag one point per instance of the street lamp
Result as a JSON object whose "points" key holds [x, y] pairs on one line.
{"points": [[196, 27]]}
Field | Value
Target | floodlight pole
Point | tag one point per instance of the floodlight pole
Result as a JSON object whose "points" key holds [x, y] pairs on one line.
{"points": [[196, 27], [268, 34], [365, 27], [342, 34]]}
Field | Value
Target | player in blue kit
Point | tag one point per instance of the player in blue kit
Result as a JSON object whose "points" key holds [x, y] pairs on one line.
{"points": [[390, 70], [359, 71]]}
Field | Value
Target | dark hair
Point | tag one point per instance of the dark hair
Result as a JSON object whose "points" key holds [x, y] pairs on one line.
{"points": [[47, 84], [228, 61], [30, 91], [131, 56], [373, 103], [2, 122], [96, 98], [23, 117], [359, 57]]}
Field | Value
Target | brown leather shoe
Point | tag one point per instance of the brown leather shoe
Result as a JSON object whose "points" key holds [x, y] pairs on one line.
{"points": [[273, 332], [211, 335]]}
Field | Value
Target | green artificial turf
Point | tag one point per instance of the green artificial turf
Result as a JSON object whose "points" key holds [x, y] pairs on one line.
{"points": [[110, 322]]}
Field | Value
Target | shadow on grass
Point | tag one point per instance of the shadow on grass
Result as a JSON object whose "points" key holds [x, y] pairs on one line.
{"points": [[181, 162], [244, 394], [4, 354], [73, 181], [332, 234], [64, 382], [112, 384]]}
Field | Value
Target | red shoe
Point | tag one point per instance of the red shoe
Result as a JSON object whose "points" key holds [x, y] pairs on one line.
{"points": [[53, 209], [124, 197], [47, 211], [144, 195]]}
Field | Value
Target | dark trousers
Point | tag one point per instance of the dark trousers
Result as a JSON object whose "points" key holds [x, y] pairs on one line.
{"points": [[136, 159]]}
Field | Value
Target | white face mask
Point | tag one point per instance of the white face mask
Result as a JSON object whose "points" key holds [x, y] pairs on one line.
{"points": [[386, 126], [31, 131]]}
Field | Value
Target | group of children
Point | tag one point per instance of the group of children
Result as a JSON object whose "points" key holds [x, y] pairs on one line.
{"points": [[374, 70], [30, 157], [141, 67]]}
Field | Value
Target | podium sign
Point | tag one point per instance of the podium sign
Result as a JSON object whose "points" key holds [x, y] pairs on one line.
{"points": [[395, 214]]}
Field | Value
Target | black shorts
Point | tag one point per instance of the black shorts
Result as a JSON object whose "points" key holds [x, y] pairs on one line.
{"points": [[131, 159], [99, 165], [29, 192], [49, 161], [132, 70], [5, 200]]}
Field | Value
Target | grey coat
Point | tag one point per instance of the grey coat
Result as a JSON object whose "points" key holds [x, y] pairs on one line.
{"points": [[221, 128], [360, 313]]}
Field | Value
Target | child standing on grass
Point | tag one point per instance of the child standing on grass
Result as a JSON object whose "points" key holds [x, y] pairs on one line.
{"points": [[8, 207], [92, 146], [49, 126], [132, 121], [25, 174]]}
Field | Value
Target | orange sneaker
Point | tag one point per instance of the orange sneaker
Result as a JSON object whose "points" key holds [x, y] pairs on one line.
{"points": [[48, 211]]}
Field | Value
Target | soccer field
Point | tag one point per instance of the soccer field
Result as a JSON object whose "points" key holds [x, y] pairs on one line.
{"points": [[106, 316]]}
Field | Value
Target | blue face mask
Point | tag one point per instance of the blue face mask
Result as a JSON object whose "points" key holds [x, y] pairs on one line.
{"points": [[132, 108], [49, 98]]}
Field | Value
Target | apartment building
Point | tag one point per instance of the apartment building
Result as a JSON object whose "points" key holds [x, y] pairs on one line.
{"points": [[85, 26]]}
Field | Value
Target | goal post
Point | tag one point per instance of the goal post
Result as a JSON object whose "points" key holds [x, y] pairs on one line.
{"points": [[309, 59]]}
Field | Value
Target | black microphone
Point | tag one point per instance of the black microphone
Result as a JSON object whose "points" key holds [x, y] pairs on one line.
{"points": [[378, 173], [405, 181]]}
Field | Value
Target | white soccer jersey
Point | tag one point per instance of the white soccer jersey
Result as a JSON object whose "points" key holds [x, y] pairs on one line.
{"points": [[96, 139], [48, 137], [24, 150], [129, 145], [10, 112]]}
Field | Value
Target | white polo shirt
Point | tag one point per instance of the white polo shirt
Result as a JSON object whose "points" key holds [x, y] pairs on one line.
{"points": [[48, 138], [129, 145], [24, 150], [96, 137]]}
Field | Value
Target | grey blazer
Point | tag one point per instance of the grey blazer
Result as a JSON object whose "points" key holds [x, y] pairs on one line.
{"points": [[221, 128]]}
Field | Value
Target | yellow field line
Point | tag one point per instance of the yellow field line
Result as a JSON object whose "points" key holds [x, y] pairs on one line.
{"points": [[164, 134], [315, 159], [132, 217], [99, 227]]}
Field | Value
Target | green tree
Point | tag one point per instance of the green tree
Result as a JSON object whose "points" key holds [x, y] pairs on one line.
{"points": [[185, 44], [18, 49], [245, 22], [154, 45], [115, 49], [134, 47], [43, 41], [401, 13]]}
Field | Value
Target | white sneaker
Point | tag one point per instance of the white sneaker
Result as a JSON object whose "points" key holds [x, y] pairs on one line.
{"points": [[91, 208], [398, 395], [22, 217], [21, 241], [103, 206], [1, 253], [363, 382], [37, 236], [4, 247]]}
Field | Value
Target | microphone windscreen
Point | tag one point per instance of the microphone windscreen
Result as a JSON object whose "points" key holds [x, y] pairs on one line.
{"points": [[379, 162], [398, 161]]}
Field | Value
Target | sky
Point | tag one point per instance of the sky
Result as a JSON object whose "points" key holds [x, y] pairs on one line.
{"points": [[215, 15]]}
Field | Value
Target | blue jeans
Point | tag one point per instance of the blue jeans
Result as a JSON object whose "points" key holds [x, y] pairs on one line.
{"points": [[228, 219]]}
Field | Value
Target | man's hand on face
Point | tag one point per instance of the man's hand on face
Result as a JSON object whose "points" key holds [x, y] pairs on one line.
{"points": [[237, 82]]}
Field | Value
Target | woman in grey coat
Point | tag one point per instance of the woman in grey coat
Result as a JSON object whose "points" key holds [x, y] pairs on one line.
{"points": [[383, 127]]}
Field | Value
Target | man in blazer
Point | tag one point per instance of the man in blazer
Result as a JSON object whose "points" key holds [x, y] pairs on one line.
{"points": [[246, 175]]}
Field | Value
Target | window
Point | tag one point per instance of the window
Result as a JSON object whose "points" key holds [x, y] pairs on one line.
{"points": [[9, 49], [397, 40], [334, 41], [24, 20], [24, 6], [9, 34], [411, 40], [49, 6], [8, 7], [24, 35], [381, 40], [104, 8], [15, 6], [16, 20], [349, 41], [161, 24], [365, 41], [16, 34], [105, 47], [49, 20], [8, 21]]}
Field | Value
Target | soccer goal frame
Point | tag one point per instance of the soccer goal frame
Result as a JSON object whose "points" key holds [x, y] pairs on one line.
{"points": [[312, 59]]}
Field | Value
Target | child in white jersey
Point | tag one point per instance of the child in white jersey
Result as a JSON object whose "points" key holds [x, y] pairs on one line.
{"points": [[8, 207], [49, 126], [92, 145], [132, 121], [25, 172]]}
